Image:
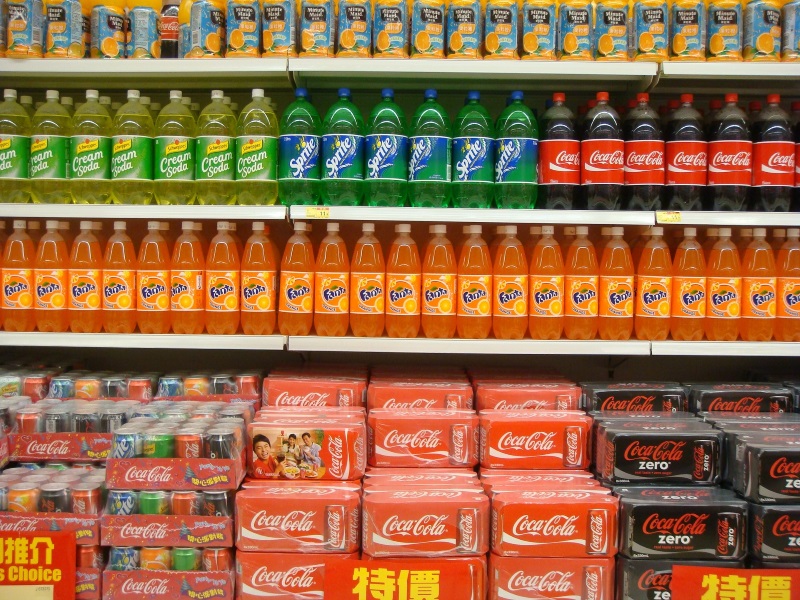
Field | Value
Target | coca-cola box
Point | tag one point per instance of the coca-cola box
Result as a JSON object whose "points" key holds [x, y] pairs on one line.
{"points": [[775, 533], [183, 531], [414, 477], [59, 446], [740, 398], [88, 584], [158, 585], [737, 437], [651, 579], [551, 579], [282, 575], [174, 473], [419, 395], [294, 388], [770, 473], [521, 395], [651, 396], [85, 526]]}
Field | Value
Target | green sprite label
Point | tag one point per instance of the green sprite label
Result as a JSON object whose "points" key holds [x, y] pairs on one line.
{"points": [[49, 155], [516, 160], [214, 158], [91, 157], [342, 156], [257, 157], [15, 152], [387, 157], [132, 157], [174, 158], [429, 158]]}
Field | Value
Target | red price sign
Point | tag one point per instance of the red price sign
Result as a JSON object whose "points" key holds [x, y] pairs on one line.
{"points": [[706, 583], [37, 565]]}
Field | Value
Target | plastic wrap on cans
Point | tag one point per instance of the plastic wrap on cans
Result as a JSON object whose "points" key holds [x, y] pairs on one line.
{"points": [[550, 484], [306, 519], [736, 440], [477, 569], [775, 533], [348, 486], [305, 388], [650, 579], [769, 474], [534, 439], [425, 522], [682, 522], [419, 395], [429, 438], [723, 419], [740, 398], [493, 374], [551, 579], [653, 396], [281, 575], [524, 474], [420, 477], [527, 396]]}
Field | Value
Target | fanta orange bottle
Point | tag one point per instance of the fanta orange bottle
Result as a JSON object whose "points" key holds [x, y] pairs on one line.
{"points": [[745, 237], [403, 275], [712, 237], [152, 282], [600, 246], [510, 318], [222, 282], [688, 289], [97, 229], [296, 300], [724, 284], [636, 252], [616, 288], [368, 285], [787, 326], [653, 288], [581, 285], [18, 257], [547, 288], [50, 276], [439, 276], [567, 237], [499, 236], [759, 282], [85, 282], [187, 287], [259, 274], [66, 232], [474, 318], [119, 282], [778, 239], [331, 309], [35, 231], [534, 235]]}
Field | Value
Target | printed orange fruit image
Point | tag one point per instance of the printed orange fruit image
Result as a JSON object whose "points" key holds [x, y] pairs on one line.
{"points": [[236, 38], [570, 43], [492, 42], [383, 41], [347, 39], [422, 41], [530, 42]]}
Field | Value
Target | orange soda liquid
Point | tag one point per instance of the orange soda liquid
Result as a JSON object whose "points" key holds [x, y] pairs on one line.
{"points": [[759, 282], [119, 282], [259, 275], [510, 316], [712, 237], [546, 299], [368, 285], [296, 290], [787, 326], [403, 274], [689, 292], [187, 283], [439, 277], [85, 282], [499, 236], [18, 282], [474, 318], [50, 277], [653, 289], [616, 288], [223, 271], [152, 282], [581, 285], [331, 309], [724, 284], [534, 235]]}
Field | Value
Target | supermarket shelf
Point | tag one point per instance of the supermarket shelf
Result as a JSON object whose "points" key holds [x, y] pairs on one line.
{"points": [[115, 211], [138, 340], [747, 349], [437, 346], [744, 77], [728, 219]]}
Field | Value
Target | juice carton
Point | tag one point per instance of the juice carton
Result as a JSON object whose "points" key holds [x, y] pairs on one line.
{"points": [[427, 29], [317, 19], [355, 28], [688, 30], [649, 31], [108, 30], [243, 27], [26, 26], [790, 46], [611, 30], [390, 29], [724, 30], [538, 30], [207, 29], [184, 28], [464, 29], [575, 30], [762, 31], [279, 27], [143, 29], [501, 30], [64, 23]]}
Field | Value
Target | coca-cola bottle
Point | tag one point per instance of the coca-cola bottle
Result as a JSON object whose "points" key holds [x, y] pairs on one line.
{"points": [[559, 157], [730, 158], [796, 129], [602, 156], [644, 157], [168, 32], [773, 158], [686, 157]]}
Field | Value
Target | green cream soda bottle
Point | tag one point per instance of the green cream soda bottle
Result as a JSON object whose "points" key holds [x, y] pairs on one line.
{"points": [[174, 165], [429, 154], [216, 146], [15, 147], [90, 175], [132, 153], [49, 158], [257, 152]]}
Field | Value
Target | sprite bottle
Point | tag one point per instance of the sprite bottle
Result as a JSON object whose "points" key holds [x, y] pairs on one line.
{"points": [[298, 159], [429, 154], [15, 147], [49, 157], [174, 164], [473, 155], [387, 154], [90, 174], [132, 153], [517, 154], [257, 152], [215, 166], [343, 153]]}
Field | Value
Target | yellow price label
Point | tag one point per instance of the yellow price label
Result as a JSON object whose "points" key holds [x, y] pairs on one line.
{"points": [[668, 216], [318, 212]]}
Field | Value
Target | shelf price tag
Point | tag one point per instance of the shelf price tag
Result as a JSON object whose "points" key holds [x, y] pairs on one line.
{"points": [[707, 583], [667, 217], [37, 565], [318, 212]]}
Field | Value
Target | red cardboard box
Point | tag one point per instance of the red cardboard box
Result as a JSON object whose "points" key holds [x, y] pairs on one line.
{"points": [[528, 396], [552, 579], [88, 584], [86, 527], [419, 395], [173, 474], [181, 531], [59, 446], [477, 567], [283, 576], [166, 585]]}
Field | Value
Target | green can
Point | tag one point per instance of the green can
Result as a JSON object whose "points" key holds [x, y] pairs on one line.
{"points": [[158, 445], [186, 559], [154, 503]]}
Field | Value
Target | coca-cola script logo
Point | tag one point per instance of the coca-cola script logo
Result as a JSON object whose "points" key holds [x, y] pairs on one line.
{"points": [[531, 404], [563, 526], [539, 441], [335, 528], [417, 404], [653, 159], [604, 160], [153, 531], [745, 404], [783, 467], [154, 587], [336, 450], [430, 526], [739, 160], [299, 521], [153, 475], [634, 404], [668, 451], [686, 159], [573, 446], [699, 462], [54, 448], [426, 439], [568, 159], [688, 524], [293, 579], [655, 580], [21, 525], [309, 399], [597, 532], [552, 581], [723, 532], [786, 525]]}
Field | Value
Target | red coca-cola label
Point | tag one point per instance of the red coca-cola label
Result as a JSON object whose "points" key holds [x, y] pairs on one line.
{"points": [[644, 162], [730, 162], [687, 163], [773, 164], [559, 162], [169, 28], [602, 161]]}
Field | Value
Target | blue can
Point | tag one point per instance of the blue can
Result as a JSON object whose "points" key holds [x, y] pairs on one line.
{"points": [[170, 386], [62, 386], [126, 445], [123, 559], [122, 502]]}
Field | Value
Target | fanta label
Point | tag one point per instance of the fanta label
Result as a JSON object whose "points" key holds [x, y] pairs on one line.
{"points": [[474, 295], [108, 32], [316, 28], [688, 26], [474, 159], [144, 26], [118, 287], [153, 288], [724, 33], [650, 31], [207, 29], [501, 30], [304, 150], [762, 31], [538, 30], [387, 157], [654, 297], [464, 30], [389, 30], [547, 296], [64, 23], [26, 25], [174, 158], [582, 296], [516, 160], [243, 27], [644, 162], [725, 297], [429, 158], [279, 28], [510, 296], [332, 294], [575, 32], [367, 291], [602, 162], [730, 162], [616, 296], [48, 157], [343, 156], [84, 289], [758, 298], [258, 291], [355, 29], [773, 164], [187, 292], [402, 294], [215, 158], [223, 291], [689, 297], [790, 32], [296, 292], [131, 157], [788, 300], [15, 151], [91, 157], [17, 292], [257, 157], [438, 292], [611, 31], [427, 29], [51, 289], [687, 163], [559, 162]]}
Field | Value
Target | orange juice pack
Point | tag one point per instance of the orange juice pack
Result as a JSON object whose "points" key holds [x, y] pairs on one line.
{"points": [[390, 30], [575, 30], [243, 28], [501, 30], [317, 27], [279, 36], [26, 28], [724, 30], [538, 26], [611, 30], [649, 30], [464, 29], [427, 28], [355, 29]]}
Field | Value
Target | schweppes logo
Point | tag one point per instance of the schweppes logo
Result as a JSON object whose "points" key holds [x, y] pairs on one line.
{"points": [[217, 147], [87, 146], [176, 146], [122, 146], [252, 146], [39, 145], [5, 144]]}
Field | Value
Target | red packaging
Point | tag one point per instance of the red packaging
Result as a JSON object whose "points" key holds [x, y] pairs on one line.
{"points": [[480, 375], [730, 162], [559, 162], [497, 487], [284, 576], [687, 162], [527, 396], [422, 438], [602, 161], [166, 585], [417, 477], [534, 439], [541, 482], [59, 446], [87, 584], [166, 530], [310, 484], [546, 578], [304, 388], [419, 395], [302, 519], [554, 523], [528, 475], [477, 567]]}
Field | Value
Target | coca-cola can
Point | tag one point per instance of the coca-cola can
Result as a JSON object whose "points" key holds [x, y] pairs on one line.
{"points": [[30, 419], [187, 503], [217, 559], [188, 445], [112, 418], [335, 528], [85, 420], [223, 383], [215, 504], [219, 444], [140, 388], [597, 532], [460, 444], [55, 498], [87, 498], [35, 385], [574, 447], [248, 384], [468, 538], [90, 557], [57, 420]]}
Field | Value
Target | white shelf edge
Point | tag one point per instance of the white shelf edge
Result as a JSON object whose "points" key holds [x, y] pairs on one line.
{"points": [[119, 211], [142, 341], [746, 349], [729, 70], [729, 218]]}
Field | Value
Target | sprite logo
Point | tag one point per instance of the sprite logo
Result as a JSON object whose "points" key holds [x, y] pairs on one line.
{"points": [[384, 156], [307, 159], [421, 152], [507, 159], [477, 150], [344, 154]]}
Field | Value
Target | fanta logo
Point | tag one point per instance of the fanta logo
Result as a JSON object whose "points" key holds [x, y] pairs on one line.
{"points": [[781, 160], [581, 297], [552, 582], [293, 579], [293, 293], [545, 295], [122, 146], [114, 288], [386, 149], [307, 158], [15, 288], [176, 147], [471, 296], [343, 156], [87, 146], [425, 526], [39, 145], [179, 288], [331, 294], [506, 297], [649, 159], [653, 297], [47, 288], [153, 289], [220, 290], [616, 298], [614, 159], [218, 146], [252, 146], [685, 159], [655, 580], [439, 292], [717, 298], [253, 290], [367, 295], [762, 297], [689, 298], [740, 159], [792, 298], [397, 295], [474, 158], [686, 524], [83, 288], [568, 159]]}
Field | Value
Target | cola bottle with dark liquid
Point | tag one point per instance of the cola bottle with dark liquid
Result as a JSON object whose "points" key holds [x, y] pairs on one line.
{"points": [[602, 157], [730, 158], [644, 157], [773, 158], [559, 157], [686, 158]]}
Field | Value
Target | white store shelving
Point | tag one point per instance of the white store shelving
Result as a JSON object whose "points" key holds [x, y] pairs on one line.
{"points": [[748, 349], [727, 219], [139, 341]]}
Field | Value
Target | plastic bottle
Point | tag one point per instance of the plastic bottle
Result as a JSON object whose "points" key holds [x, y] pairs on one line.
{"points": [[778, 239], [546, 288], [49, 152], [50, 276], [517, 150], [85, 282], [187, 287], [534, 235], [119, 282], [298, 158], [331, 305], [559, 157], [580, 287], [403, 276], [499, 236], [367, 285], [644, 157], [296, 300], [223, 269], [730, 154], [90, 146], [615, 321], [474, 318], [259, 274], [787, 324], [724, 281], [153, 282], [689, 289], [342, 153], [215, 165], [653, 288], [510, 301], [175, 152], [473, 155], [429, 173], [68, 103], [18, 280], [773, 158], [169, 32], [27, 103], [439, 278], [759, 305], [567, 237], [712, 237], [387, 154], [15, 133], [745, 237], [257, 152], [602, 157], [686, 158], [132, 153]]}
